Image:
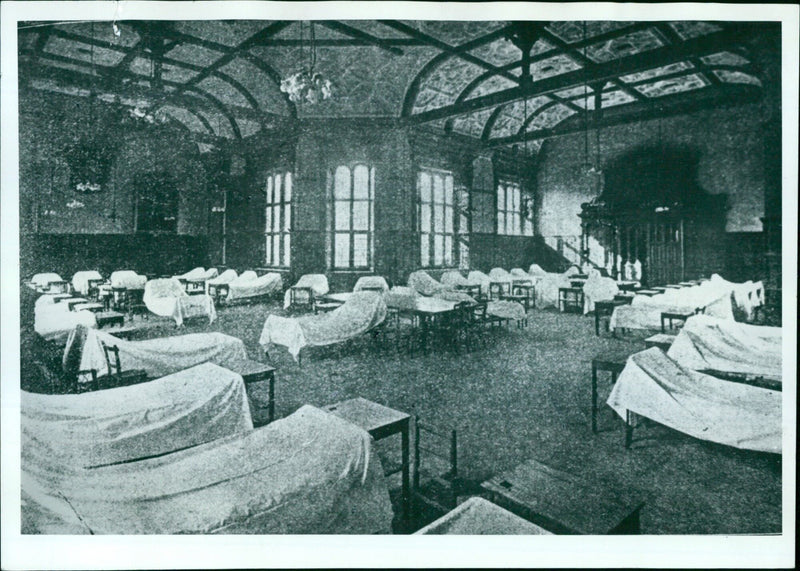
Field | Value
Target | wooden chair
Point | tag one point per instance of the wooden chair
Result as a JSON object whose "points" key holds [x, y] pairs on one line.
{"points": [[301, 297], [435, 483], [456, 326], [116, 376]]}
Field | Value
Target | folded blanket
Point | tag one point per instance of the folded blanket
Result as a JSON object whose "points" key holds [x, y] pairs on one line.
{"points": [[506, 309]]}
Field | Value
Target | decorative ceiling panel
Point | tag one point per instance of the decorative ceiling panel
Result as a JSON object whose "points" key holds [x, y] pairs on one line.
{"points": [[103, 31], [218, 122], [693, 29], [724, 58], [223, 91], [83, 52], [574, 92], [185, 117], [609, 99], [511, 117], [624, 46], [572, 32], [499, 52], [195, 54], [675, 85], [228, 32], [260, 86], [737, 77], [492, 84], [550, 117], [247, 127], [70, 66], [374, 28], [169, 72], [472, 124], [366, 81], [301, 30], [452, 32], [551, 66], [27, 40], [442, 86], [657, 72], [51, 85]]}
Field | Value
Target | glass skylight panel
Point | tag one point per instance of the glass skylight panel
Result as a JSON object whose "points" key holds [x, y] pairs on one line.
{"points": [[657, 72], [572, 31], [628, 45], [724, 58], [83, 52], [552, 66], [671, 86], [729, 76], [693, 29], [574, 92]]}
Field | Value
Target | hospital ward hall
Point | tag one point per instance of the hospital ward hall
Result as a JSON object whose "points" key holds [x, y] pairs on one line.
{"points": [[401, 277]]}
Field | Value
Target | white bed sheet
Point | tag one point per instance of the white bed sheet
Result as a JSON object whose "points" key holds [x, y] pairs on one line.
{"points": [[191, 407], [423, 283], [167, 298], [309, 473], [80, 281], [317, 282], [160, 356], [371, 282], [54, 321], [267, 284], [127, 279], [707, 342], [43, 280], [361, 312], [656, 387], [596, 289]]}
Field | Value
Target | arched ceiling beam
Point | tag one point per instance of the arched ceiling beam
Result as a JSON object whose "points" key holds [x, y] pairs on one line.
{"points": [[542, 109], [359, 35], [489, 125], [221, 108], [601, 72], [427, 69]]}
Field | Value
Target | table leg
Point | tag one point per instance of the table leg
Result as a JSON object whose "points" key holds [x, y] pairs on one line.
{"points": [[406, 495], [594, 397], [596, 321], [628, 428], [271, 409]]}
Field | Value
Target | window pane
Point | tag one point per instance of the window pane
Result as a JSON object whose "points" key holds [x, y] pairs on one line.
{"points": [[361, 215], [276, 251], [287, 243], [528, 227], [287, 217], [287, 187], [509, 224], [463, 225], [342, 208], [501, 223], [517, 201], [448, 219], [269, 249], [360, 250], [277, 195], [269, 190], [372, 182], [424, 250], [438, 217], [438, 189], [509, 199], [268, 226], [501, 197], [517, 230], [361, 182], [425, 218], [438, 249], [448, 189], [424, 187], [341, 184], [448, 250], [341, 248], [276, 218]]}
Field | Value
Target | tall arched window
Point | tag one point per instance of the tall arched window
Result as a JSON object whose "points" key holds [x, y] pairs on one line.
{"points": [[278, 213], [436, 217], [514, 210], [353, 218]]}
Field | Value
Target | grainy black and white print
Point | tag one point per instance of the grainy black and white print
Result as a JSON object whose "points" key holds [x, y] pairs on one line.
{"points": [[402, 276]]}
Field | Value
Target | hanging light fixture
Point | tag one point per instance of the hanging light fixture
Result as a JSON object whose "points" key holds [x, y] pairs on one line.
{"points": [[307, 84]]}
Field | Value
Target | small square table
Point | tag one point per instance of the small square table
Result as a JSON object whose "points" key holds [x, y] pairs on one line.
{"points": [[92, 306], [218, 292], [253, 372], [673, 286], [659, 289], [670, 316], [473, 290], [570, 298], [528, 290], [563, 503], [660, 340], [381, 422], [627, 285], [647, 292], [499, 288], [611, 364], [605, 309], [112, 318]]}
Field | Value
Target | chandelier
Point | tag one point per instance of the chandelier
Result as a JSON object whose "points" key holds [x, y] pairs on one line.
{"points": [[308, 85]]}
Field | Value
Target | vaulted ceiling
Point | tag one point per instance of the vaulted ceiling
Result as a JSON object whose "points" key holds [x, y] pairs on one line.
{"points": [[500, 82]]}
